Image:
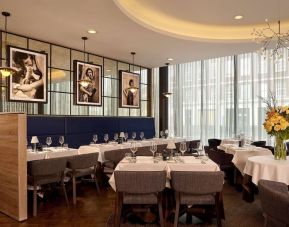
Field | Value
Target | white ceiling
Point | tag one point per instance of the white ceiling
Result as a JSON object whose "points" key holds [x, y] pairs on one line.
{"points": [[64, 22]]}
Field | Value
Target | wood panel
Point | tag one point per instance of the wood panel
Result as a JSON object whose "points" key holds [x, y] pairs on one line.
{"points": [[13, 165]]}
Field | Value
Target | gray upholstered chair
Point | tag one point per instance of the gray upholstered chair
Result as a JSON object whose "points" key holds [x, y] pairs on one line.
{"points": [[139, 187], [46, 171], [197, 188], [80, 166], [275, 203]]}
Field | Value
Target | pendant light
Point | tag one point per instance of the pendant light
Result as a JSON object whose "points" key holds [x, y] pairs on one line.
{"points": [[6, 71], [133, 89], [167, 94], [84, 82]]}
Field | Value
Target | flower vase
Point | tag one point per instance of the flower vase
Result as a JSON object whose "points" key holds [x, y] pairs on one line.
{"points": [[279, 149]]}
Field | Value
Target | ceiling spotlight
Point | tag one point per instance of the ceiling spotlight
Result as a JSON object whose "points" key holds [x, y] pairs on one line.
{"points": [[91, 31], [108, 70], [238, 17], [170, 59]]}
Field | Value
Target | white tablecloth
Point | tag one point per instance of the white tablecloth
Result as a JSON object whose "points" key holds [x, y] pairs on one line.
{"points": [[102, 148], [241, 154], [144, 163], [230, 141], [265, 167]]}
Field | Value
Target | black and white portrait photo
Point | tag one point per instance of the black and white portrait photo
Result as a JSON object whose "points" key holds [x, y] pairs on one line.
{"points": [[88, 93], [129, 89], [29, 83]]}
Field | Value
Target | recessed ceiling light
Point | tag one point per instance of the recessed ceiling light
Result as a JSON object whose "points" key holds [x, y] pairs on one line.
{"points": [[238, 17], [91, 31], [108, 70], [170, 59]]}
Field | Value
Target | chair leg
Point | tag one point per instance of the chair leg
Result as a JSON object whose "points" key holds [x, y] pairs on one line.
{"points": [[177, 209], [118, 208], [96, 182], [34, 200], [217, 206], [64, 191], [160, 205], [74, 188]]}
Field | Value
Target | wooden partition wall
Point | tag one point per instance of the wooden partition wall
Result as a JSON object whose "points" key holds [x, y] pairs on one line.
{"points": [[13, 165]]}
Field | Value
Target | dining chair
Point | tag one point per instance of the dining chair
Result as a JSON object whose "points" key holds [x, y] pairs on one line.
{"points": [[80, 166], [198, 188], [43, 172], [144, 151], [275, 202], [259, 143], [139, 187]]}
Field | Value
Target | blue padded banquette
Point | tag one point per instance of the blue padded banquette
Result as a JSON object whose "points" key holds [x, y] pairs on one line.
{"points": [[78, 130]]}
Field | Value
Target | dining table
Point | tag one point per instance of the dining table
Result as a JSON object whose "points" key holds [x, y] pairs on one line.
{"points": [[148, 163]]}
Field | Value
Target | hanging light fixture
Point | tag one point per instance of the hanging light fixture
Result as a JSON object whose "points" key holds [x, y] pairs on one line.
{"points": [[167, 94], [84, 82], [133, 89], [6, 71]]}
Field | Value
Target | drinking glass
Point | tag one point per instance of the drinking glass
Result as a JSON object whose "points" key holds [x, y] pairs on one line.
{"points": [[183, 147], [106, 138], [115, 137], [153, 148], [61, 140], [141, 135], [162, 134], [94, 138], [48, 141], [133, 135], [133, 148], [126, 136], [200, 149]]}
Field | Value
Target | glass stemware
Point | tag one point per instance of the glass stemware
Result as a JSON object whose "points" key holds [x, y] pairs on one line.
{"points": [[162, 134], [115, 137], [133, 135], [153, 148], [48, 141], [61, 140], [183, 147], [94, 138], [126, 136], [133, 148], [141, 135], [105, 137]]}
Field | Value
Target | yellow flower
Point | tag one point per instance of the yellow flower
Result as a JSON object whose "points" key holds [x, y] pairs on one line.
{"points": [[277, 128], [268, 126]]}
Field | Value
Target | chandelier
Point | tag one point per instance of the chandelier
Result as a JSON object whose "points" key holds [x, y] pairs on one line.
{"points": [[271, 39]]}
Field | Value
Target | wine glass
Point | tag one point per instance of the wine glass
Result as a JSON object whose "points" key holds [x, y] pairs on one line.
{"points": [[133, 148], [153, 148], [94, 138], [61, 140], [48, 141], [200, 149], [183, 147], [133, 135], [106, 138], [141, 135], [162, 134], [115, 137], [126, 136]]}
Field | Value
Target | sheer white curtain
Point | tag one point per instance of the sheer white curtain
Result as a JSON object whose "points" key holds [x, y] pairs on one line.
{"points": [[185, 103], [155, 99], [256, 77], [218, 98]]}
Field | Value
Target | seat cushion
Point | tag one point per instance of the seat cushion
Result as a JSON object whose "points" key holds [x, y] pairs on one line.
{"points": [[140, 198], [82, 172], [43, 180], [190, 199]]}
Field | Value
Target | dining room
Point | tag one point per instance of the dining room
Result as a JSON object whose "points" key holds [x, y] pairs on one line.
{"points": [[144, 113]]}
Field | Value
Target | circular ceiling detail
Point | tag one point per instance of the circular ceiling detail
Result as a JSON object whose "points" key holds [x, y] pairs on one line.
{"points": [[171, 22]]}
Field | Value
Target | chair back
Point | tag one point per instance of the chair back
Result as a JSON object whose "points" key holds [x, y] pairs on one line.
{"points": [[144, 151], [194, 144], [214, 142], [140, 182], [46, 167], [274, 201], [259, 143], [198, 183], [116, 155], [161, 148], [82, 161]]}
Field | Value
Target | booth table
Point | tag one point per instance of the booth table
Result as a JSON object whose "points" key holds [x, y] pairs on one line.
{"points": [[265, 167]]}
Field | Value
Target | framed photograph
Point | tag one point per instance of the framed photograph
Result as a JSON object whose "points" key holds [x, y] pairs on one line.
{"points": [[129, 90], [90, 94], [29, 83]]}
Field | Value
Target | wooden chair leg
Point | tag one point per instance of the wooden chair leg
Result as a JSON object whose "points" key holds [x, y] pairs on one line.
{"points": [[160, 205], [96, 181], [34, 200], [74, 188], [64, 191], [118, 208], [218, 212], [177, 209]]}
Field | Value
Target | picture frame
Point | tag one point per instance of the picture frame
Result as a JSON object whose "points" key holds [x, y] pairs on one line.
{"points": [[127, 98], [30, 82], [91, 95]]}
